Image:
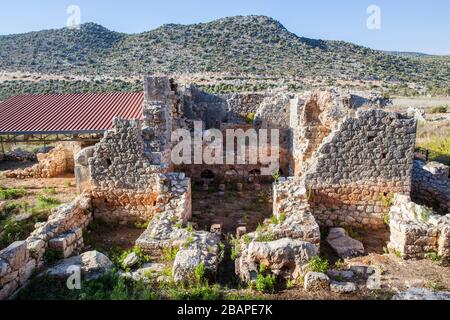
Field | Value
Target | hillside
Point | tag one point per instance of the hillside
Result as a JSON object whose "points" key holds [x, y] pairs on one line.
{"points": [[250, 44]]}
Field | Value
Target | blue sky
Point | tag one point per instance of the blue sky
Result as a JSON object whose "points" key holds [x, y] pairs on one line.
{"points": [[406, 25]]}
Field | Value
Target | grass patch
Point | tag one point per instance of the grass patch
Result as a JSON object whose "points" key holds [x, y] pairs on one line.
{"points": [[46, 203], [12, 230], [433, 256], [13, 193], [435, 137]]}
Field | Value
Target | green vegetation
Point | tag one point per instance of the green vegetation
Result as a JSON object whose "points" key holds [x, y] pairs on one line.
{"points": [[353, 233], [433, 256], [439, 109], [436, 286], [169, 254], [19, 217], [265, 282], [21, 87], [277, 220], [143, 258], [387, 219], [435, 137], [141, 225], [387, 199], [251, 45], [251, 118], [15, 230], [276, 176], [318, 264], [9, 194], [112, 286]]}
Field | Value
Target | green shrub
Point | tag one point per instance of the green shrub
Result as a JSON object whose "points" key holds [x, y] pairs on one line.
{"points": [[200, 273], [265, 283], [250, 118], [318, 264], [234, 253]]}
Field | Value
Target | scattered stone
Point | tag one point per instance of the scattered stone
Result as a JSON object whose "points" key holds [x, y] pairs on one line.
{"points": [[15, 254], [147, 272], [422, 294], [91, 264], [341, 274], [131, 260], [437, 169], [203, 247], [316, 281], [240, 231], [344, 246], [285, 257], [4, 267], [342, 287], [216, 228]]}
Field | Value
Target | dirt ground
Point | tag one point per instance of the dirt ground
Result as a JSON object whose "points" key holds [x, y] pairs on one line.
{"points": [[105, 237], [65, 187], [232, 209]]}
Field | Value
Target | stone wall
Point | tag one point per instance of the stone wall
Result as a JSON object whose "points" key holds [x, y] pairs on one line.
{"points": [[360, 165], [431, 186], [62, 233], [56, 162], [417, 231], [125, 186]]}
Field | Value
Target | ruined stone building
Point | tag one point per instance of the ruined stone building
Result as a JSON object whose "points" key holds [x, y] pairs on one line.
{"points": [[343, 157]]}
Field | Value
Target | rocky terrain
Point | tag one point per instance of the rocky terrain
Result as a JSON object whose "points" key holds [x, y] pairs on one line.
{"points": [[237, 46]]}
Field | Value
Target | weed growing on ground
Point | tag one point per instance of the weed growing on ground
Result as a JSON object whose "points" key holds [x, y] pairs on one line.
{"points": [[318, 264], [13, 193], [169, 254], [433, 256]]}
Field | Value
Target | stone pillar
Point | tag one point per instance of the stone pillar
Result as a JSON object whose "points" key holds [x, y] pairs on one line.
{"points": [[157, 112]]}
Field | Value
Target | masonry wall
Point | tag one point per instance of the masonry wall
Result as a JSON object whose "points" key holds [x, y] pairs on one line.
{"points": [[62, 233], [56, 162], [360, 166], [129, 169], [431, 189]]}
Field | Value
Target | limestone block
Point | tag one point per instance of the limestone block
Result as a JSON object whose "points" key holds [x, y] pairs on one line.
{"points": [[15, 254], [316, 281], [344, 246]]}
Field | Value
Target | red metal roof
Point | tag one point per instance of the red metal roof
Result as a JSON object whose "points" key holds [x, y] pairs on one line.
{"points": [[66, 113]]}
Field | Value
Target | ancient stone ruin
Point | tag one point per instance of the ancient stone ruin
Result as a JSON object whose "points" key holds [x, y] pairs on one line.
{"points": [[345, 161]]}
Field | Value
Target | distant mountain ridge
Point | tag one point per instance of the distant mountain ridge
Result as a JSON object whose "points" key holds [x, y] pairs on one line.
{"points": [[242, 44]]}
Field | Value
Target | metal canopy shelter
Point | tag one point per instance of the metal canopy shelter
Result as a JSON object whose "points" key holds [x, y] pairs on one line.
{"points": [[65, 117]]}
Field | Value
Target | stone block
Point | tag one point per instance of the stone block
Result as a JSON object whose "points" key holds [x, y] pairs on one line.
{"points": [[15, 254], [316, 281]]}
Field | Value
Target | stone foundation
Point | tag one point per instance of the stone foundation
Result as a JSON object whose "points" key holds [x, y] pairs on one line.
{"points": [[62, 233], [57, 162], [417, 231], [431, 186]]}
